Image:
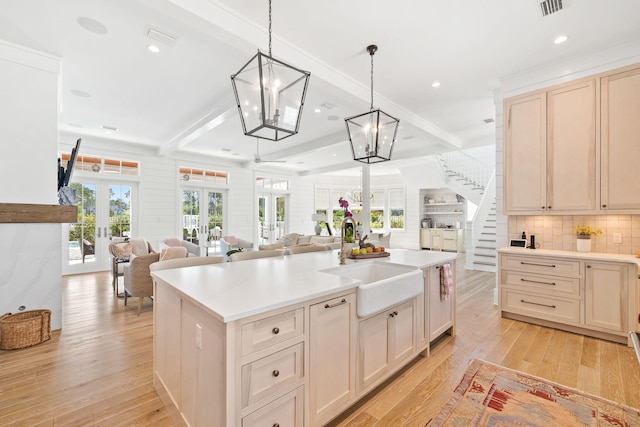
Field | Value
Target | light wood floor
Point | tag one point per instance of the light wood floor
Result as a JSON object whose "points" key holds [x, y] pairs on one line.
{"points": [[97, 371]]}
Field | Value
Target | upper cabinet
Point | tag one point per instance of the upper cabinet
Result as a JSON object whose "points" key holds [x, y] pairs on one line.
{"points": [[620, 187], [571, 149]]}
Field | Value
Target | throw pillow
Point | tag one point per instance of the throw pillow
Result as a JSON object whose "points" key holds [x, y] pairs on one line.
{"points": [[304, 239], [121, 251], [139, 246], [172, 242], [290, 239], [173, 253]]}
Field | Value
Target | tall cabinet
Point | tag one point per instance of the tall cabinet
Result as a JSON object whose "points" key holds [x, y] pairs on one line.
{"points": [[573, 148], [550, 150]]}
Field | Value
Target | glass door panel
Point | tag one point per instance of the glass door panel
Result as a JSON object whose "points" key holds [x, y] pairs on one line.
{"points": [[203, 218], [272, 220], [104, 212]]}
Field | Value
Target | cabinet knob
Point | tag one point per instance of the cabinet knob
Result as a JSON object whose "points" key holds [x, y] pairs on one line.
{"points": [[588, 266], [275, 330], [604, 206], [275, 373], [543, 207], [548, 207]]}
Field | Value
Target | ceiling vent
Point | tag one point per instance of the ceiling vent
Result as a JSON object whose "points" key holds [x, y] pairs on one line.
{"points": [[489, 120], [547, 7], [160, 36]]}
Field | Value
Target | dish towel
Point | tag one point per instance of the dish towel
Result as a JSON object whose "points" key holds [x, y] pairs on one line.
{"points": [[446, 282]]}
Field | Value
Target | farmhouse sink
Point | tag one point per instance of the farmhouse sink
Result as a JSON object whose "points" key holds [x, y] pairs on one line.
{"points": [[384, 284]]}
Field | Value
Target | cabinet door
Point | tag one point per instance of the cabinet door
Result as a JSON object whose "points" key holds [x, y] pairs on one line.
{"points": [[331, 357], [620, 109], [436, 239], [425, 238], [606, 296], [571, 147], [402, 331], [525, 154], [450, 240], [373, 353], [440, 311]]}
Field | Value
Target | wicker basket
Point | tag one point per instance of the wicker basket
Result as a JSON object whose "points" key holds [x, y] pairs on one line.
{"points": [[25, 329]]}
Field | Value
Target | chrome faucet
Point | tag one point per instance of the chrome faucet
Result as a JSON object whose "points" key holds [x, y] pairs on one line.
{"points": [[343, 254]]}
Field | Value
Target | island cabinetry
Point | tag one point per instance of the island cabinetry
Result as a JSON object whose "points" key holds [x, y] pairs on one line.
{"points": [[332, 373], [440, 318], [591, 297], [620, 182], [385, 340], [606, 292], [550, 150]]}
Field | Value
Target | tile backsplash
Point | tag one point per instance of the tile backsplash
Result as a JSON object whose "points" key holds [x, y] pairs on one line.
{"points": [[558, 232]]}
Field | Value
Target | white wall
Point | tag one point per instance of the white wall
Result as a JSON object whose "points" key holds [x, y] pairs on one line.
{"points": [[31, 266]]}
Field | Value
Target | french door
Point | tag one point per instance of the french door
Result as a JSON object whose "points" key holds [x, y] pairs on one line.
{"points": [[272, 217], [202, 217], [105, 211]]}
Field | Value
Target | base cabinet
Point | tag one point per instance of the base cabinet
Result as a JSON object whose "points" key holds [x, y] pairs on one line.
{"points": [[385, 339], [596, 298], [606, 299], [441, 311], [332, 373]]}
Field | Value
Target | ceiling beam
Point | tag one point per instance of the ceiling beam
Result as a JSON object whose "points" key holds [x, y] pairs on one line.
{"points": [[249, 35], [220, 114]]}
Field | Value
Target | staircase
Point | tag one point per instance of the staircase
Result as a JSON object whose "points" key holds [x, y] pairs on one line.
{"points": [[475, 181]]}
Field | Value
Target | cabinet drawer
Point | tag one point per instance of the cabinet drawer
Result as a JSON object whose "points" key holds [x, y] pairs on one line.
{"points": [[553, 266], [543, 307], [272, 330], [569, 286], [287, 410], [271, 373]]}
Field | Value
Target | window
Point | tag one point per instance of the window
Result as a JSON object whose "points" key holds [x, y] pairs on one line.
{"points": [[272, 183], [102, 165], [377, 216], [203, 176], [396, 209]]}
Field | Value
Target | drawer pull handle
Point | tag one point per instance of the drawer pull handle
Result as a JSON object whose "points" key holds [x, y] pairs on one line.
{"points": [[275, 373], [275, 330], [537, 303], [276, 425], [537, 281], [539, 265], [344, 301]]}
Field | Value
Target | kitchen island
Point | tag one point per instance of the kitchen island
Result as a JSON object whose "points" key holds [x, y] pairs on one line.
{"points": [[279, 341]]}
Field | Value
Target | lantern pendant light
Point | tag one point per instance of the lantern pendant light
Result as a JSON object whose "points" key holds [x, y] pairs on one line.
{"points": [[372, 134], [270, 95]]}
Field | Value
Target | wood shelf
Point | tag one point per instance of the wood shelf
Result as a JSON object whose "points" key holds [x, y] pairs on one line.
{"points": [[21, 213]]}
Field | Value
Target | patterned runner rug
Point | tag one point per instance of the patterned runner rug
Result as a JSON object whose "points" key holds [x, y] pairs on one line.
{"points": [[492, 395]]}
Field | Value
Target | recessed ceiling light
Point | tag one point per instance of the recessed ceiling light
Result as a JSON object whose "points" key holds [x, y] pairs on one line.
{"points": [[435, 84], [317, 110], [561, 39], [80, 93], [153, 48], [92, 25]]}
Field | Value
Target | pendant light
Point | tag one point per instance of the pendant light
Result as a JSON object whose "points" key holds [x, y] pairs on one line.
{"points": [[372, 134], [270, 95]]}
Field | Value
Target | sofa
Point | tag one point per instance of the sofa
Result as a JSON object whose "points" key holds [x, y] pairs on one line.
{"points": [[192, 248], [295, 239], [228, 243]]}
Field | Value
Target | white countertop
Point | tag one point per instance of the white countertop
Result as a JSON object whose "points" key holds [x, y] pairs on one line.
{"points": [[235, 290], [594, 256]]}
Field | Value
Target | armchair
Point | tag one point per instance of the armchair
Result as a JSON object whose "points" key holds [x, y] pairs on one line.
{"points": [[137, 278], [228, 243], [86, 248]]}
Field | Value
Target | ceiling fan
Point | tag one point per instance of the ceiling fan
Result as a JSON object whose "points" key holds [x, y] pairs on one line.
{"points": [[258, 159]]}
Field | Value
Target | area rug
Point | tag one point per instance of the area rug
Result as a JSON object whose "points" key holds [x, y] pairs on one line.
{"points": [[492, 395]]}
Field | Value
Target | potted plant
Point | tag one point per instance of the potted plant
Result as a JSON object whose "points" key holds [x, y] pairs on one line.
{"points": [[583, 234]]}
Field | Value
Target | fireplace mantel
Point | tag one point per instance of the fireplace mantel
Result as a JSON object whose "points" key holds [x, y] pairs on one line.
{"points": [[14, 213]]}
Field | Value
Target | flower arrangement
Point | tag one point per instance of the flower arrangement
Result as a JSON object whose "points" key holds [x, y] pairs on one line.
{"points": [[345, 205], [585, 231]]}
